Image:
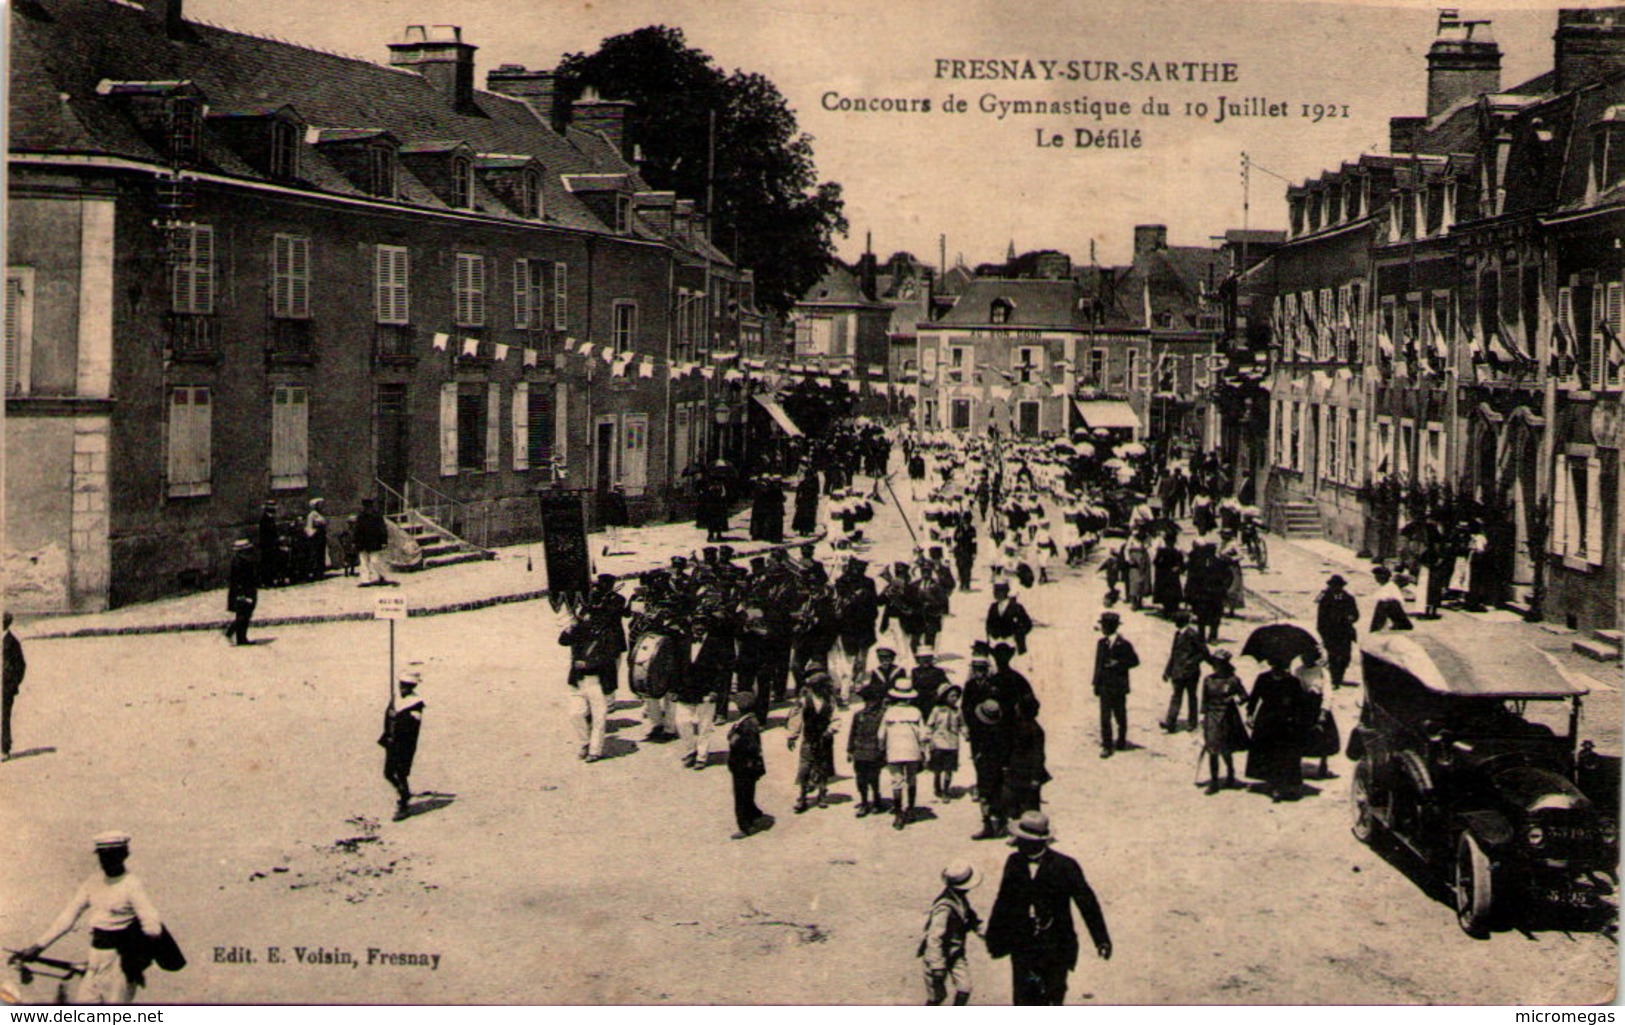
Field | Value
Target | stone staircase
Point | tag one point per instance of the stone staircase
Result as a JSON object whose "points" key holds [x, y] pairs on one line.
{"points": [[1299, 519], [436, 545], [1602, 645]]}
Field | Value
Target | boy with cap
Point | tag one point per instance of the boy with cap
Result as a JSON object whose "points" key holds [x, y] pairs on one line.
{"points": [[403, 720], [746, 765], [124, 923], [948, 925], [902, 735], [864, 748]]}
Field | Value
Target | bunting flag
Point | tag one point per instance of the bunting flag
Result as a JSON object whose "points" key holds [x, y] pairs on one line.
{"points": [[502, 352], [732, 375], [441, 340], [646, 370], [560, 361], [707, 373], [529, 357], [471, 346], [851, 385], [585, 348], [823, 382], [618, 368], [606, 353]]}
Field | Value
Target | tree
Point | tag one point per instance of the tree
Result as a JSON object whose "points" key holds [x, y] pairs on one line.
{"points": [[768, 210]]}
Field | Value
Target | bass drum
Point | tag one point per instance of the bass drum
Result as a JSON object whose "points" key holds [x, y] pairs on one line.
{"points": [[654, 664]]}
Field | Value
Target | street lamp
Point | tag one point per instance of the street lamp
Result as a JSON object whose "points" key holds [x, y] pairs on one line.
{"points": [[720, 413]]}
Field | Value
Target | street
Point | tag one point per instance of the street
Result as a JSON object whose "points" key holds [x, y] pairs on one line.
{"points": [[250, 780]]}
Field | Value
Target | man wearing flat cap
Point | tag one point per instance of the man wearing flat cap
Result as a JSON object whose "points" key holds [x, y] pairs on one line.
{"points": [[124, 924], [1031, 922], [403, 721], [242, 590]]}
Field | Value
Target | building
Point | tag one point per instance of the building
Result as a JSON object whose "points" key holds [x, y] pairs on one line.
{"points": [[842, 330], [242, 269]]}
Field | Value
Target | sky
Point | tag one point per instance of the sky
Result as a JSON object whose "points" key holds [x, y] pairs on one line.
{"points": [[983, 181]]}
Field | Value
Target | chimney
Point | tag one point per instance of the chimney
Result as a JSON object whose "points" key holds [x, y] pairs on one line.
{"points": [[608, 117], [868, 276], [1405, 134], [169, 14], [1148, 238], [536, 88], [1590, 46], [438, 53], [1463, 63]]}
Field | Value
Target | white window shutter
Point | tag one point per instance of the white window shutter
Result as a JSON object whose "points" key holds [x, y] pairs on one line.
{"points": [[299, 409], [1599, 342], [521, 293], [561, 296], [403, 290], [299, 286], [460, 288], [281, 276], [521, 426], [1558, 542], [203, 269], [477, 299], [1593, 514], [448, 429], [493, 427], [202, 437], [1615, 314], [561, 423]]}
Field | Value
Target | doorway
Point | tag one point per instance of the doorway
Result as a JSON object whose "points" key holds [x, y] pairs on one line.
{"points": [[392, 429], [604, 453]]}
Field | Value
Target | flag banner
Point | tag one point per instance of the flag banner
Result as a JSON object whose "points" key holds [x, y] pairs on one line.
{"points": [[530, 357], [617, 369], [646, 370], [560, 361], [441, 340], [471, 346], [823, 382], [585, 348], [502, 351], [707, 373], [851, 385]]}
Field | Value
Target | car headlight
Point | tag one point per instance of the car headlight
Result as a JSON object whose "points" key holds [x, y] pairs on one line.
{"points": [[1534, 835]]}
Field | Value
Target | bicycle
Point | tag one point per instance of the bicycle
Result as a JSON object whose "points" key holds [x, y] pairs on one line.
{"points": [[1257, 548], [46, 967]]}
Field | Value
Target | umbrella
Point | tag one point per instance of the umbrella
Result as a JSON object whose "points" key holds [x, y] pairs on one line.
{"points": [[1133, 448], [1279, 641], [1114, 464]]}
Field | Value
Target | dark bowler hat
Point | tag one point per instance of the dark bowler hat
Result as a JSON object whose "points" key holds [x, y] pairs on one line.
{"points": [[1336, 580]]}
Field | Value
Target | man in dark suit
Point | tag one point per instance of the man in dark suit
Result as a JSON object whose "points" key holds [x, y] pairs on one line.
{"points": [[242, 590], [1007, 620], [1032, 915], [1336, 616], [1184, 670], [16, 666], [1114, 657]]}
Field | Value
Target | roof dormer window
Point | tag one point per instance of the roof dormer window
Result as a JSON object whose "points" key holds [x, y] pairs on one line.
{"points": [[999, 313], [284, 149], [530, 194], [462, 183], [381, 170], [1608, 149]]}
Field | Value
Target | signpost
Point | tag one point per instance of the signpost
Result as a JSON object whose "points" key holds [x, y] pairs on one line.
{"points": [[390, 607]]}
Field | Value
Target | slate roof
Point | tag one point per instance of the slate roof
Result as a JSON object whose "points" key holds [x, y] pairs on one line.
{"points": [[838, 287], [61, 50], [1035, 305]]}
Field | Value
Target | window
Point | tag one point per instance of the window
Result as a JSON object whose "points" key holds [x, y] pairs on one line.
{"points": [[1433, 467], [635, 453], [960, 411], [626, 325], [284, 149], [1027, 423], [463, 432], [381, 171], [1027, 368], [538, 433], [1607, 331], [19, 328], [470, 287], [1405, 458], [391, 295], [1578, 530], [1000, 312], [462, 183], [623, 213], [1331, 461], [527, 294], [1351, 439], [192, 271], [290, 436], [956, 363], [1097, 368], [188, 438], [290, 277], [493, 427], [184, 115], [1295, 439], [530, 195], [1131, 368], [682, 444], [561, 296]]}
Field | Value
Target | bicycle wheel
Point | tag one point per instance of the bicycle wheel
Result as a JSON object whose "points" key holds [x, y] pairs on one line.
{"points": [[1262, 554]]}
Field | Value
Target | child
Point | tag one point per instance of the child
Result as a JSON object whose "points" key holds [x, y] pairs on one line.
{"points": [[901, 731], [948, 924], [864, 748], [1222, 729], [945, 727], [746, 766], [813, 725]]}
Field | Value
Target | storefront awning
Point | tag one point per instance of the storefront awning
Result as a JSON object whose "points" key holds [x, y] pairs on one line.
{"points": [[1107, 414], [780, 417]]}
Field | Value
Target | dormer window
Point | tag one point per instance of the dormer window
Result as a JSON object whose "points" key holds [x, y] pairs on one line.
{"points": [[462, 183], [284, 149], [381, 171], [623, 213], [184, 117], [530, 195], [1000, 311], [1608, 149]]}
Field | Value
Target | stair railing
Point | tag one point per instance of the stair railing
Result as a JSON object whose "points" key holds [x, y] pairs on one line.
{"points": [[468, 521]]}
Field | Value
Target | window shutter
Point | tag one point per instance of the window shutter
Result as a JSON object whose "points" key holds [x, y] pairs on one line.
{"points": [[448, 429], [477, 300], [202, 440], [299, 413], [1558, 543], [561, 296], [1615, 312], [281, 278], [15, 382], [299, 290], [1599, 341], [392, 270], [179, 412], [1593, 512], [561, 422], [202, 269], [521, 293], [461, 286], [521, 425], [493, 427]]}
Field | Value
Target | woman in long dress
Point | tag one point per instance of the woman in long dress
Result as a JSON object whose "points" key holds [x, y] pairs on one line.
{"points": [[1282, 712], [813, 725], [1139, 571]]}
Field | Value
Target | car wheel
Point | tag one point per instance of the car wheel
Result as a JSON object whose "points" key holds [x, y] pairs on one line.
{"points": [[1474, 888], [1365, 820]]}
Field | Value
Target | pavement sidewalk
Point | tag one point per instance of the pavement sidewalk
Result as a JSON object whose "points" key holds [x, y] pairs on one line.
{"points": [[516, 574]]}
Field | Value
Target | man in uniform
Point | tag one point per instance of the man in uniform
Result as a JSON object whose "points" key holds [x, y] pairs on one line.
{"points": [[1031, 922]]}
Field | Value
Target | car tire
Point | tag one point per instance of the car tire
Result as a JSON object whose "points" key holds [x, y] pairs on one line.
{"points": [[1364, 826], [1474, 887]]}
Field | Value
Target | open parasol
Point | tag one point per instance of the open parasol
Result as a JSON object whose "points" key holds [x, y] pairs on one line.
{"points": [[1279, 641]]}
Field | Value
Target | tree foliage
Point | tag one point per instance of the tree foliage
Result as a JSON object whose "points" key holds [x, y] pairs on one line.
{"points": [[769, 211]]}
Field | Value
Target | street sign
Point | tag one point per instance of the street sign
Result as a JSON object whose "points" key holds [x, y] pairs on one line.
{"points": [[389, 607]]}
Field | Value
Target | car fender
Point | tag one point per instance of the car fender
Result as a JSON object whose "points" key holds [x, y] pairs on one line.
{"points": [[1490, 828]]}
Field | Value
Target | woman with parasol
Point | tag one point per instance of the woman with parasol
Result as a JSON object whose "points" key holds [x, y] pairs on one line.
{"points": [[1281, 708]]}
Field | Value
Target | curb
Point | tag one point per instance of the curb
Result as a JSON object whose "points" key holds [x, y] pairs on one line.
{"points": [[445, 608]]}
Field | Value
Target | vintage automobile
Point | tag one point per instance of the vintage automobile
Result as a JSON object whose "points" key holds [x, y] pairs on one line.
{"points": [[1477, 777]]}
